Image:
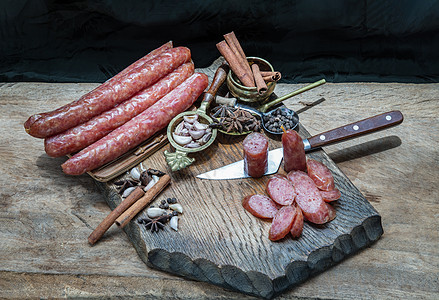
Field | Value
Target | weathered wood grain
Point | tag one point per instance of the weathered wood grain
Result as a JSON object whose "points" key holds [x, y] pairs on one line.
{"points": [[46, 216], [216, 228]]}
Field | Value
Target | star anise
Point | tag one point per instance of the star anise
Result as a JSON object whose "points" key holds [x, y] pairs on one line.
{"points": [[222, 111], [155, 224]]}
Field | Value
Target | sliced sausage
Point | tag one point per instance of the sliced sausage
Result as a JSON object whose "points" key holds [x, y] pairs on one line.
{"points": [[320, 174], [293, 151], [308, 198], [281, 190], [282, 223], [255, 154], [260, 206], [329, 196], [297, 228], [107, 95], [331, 211], [139, 129], [79, 137]]}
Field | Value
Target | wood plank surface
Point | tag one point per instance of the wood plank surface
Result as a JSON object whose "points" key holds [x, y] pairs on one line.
{"points": [[220, 243], [46, 216]]}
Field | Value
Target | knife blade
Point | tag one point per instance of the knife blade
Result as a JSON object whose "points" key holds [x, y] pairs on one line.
{"points": [[382, 121]]}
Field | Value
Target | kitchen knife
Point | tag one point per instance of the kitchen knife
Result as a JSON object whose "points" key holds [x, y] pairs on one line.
{"points": [[363, 127]]}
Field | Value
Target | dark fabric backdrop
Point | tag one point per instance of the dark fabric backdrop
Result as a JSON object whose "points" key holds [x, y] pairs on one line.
{"points": [[342, 41]]}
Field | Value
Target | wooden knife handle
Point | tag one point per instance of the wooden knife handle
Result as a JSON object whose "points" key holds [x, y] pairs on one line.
{"points": [[356, 129], [217, 81]]}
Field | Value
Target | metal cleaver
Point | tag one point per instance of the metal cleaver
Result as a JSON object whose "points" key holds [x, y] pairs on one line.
{"points": [[363, 127]]}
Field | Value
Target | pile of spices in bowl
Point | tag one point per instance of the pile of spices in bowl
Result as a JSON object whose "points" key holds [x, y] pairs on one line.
{"points": [[276, 119], [234, 120]]}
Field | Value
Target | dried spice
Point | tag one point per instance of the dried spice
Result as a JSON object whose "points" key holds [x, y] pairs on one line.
{"points": [[157, 217], [155, 224], [138, 176], [278, 118], [234, 120]]}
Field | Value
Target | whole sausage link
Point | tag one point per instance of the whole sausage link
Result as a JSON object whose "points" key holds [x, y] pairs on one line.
{"points": [[139, 128], [79, 137], [107, 95]]}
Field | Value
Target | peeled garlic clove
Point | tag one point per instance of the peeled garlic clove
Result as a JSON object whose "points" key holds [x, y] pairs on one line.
{"points": [[196, 134], [200, 126], [177, 207], [128, 191], [206, 137], [174, 223], [154, 212], [181, 140], [135, 174], [191, 119], [151, 182], [192, 145], [179, 128]]}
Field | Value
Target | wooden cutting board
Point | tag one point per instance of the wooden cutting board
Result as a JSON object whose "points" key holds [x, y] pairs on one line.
{"points": [[221, 243]]}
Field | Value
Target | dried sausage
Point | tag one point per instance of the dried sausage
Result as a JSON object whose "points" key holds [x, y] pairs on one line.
{"points": [[139, 128], [260, 206], [297, 228], [320, 174], [329, 196], [308, 198], [79, 137], [293, 151], [107, 95], [282, 223], [281, 190], [255, 154]]}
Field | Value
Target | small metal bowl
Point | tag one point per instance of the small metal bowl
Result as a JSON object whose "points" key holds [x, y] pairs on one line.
{"points": [[179, 159], [250, 94]]}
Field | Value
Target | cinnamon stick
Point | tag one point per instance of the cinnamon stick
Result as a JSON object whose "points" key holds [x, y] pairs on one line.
{"points": [[271, 76], [109, 220], [234, 63], [235, 46], [260, 83], [140, 204]]}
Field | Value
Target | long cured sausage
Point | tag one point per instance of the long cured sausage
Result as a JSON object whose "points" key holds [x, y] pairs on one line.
{"points": [[29, 123], [293, 150], [309, 198], [139, 128], [79, 137], [107, 95]]}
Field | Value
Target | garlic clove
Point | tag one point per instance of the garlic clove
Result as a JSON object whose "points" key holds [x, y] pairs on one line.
{"points": [[192, 145], [181, 140], [196, 134], [177, 207], [128, 191], [206, 137], [149, 185], [135, 174], [179, 128], [154, 212], [200, 126], [174, 223], [191, 118]]}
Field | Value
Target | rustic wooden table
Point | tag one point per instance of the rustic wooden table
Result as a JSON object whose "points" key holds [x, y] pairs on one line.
{"points": [[46, 216]]}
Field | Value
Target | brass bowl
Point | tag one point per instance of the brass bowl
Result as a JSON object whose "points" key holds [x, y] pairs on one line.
{"points": [[250, 94]]}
